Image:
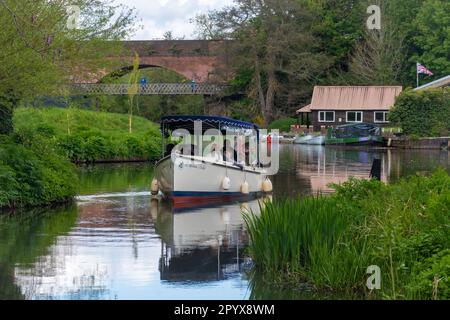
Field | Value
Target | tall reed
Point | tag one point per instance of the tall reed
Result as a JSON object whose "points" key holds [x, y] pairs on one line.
{"points": [[304, 239], [330, 242]]}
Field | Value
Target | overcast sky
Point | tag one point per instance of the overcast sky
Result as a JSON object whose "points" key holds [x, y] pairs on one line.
{"points": [[159, 16]]}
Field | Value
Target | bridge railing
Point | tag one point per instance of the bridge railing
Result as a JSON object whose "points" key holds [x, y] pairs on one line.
{"points": [[149, 89]]}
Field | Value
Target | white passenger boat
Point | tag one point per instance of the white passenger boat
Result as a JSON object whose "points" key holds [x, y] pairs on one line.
{"points": [[303, 139], [317, 140], [196, 178]]}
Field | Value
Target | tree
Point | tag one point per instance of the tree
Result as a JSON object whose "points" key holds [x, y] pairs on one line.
{"points": [[41, 49], [432, 38], [338, 26], [207, 27], [168, 35], [378, 57], [274, 44]]}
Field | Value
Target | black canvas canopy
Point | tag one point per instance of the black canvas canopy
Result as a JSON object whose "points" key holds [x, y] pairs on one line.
{"points": [[223, 124]]}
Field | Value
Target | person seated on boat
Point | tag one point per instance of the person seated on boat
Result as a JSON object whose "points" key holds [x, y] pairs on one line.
{"points": [[239, 146], [212, 152], [229, 153], [250, 155]]}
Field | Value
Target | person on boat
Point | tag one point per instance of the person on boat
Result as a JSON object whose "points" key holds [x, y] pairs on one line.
{"points": [[239, 147], [212, 152], [247, 152], [229, 153]]}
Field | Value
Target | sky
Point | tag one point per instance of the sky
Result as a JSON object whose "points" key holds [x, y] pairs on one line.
{"points": [[159, 16]]}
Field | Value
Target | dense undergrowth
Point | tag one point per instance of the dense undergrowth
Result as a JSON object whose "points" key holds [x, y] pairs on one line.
{"points": [[329, 242], [33, 174]]}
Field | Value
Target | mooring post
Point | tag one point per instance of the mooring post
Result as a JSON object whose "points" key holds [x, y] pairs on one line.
{"points": [[375, 172]]}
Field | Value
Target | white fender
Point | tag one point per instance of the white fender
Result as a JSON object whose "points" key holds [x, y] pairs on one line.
{"points": [[267, 185], [245, 188], [154, 187], [226, 183]]}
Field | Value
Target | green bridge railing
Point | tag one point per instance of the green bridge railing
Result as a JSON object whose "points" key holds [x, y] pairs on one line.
{"points": [[149, 89]]}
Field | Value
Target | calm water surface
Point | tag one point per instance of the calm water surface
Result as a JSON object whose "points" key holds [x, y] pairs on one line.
{"points": [[116, 243]]}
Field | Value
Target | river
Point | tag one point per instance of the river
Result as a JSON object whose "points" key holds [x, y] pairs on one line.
{"points": [[114, 242]]}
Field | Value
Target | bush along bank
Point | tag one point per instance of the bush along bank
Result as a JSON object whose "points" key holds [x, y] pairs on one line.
{"points": [[33, 174], [329, 242], [283, 125], [423, 113], [89, 136]]}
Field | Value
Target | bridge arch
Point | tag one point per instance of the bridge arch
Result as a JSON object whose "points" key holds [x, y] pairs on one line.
{"points": [[121, 72], [197, 60]]}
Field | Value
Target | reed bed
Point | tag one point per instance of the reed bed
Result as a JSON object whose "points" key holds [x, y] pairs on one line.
{"points": [[330, 241]]}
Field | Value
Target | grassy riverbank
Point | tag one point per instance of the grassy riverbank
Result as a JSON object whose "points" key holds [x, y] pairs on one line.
{"points": [[33, 174], [35, 168], [89, 136], [329, 242]]}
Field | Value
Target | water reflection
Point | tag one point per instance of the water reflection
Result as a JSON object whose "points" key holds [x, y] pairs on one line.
{"points": [[24, 240], [311, 169], [201, 245], [116, 243], [126, 246]]}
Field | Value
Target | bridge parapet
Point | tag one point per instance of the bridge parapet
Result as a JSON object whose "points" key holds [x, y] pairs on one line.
{"points": [[149, 89], [169, 48]]}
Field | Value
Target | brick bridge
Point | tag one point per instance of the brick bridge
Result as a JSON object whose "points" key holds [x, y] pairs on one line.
{"points": [[199, 60]]}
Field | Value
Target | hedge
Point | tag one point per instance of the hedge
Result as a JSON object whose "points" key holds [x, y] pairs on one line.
{"points": [[284, 124], [423, 113]]}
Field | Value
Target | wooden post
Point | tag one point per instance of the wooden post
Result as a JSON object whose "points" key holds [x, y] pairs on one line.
{"points": [[375, 172]]}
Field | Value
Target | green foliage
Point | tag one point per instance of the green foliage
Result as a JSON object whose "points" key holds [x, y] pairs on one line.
{"points": [[29, 178], [94, 136], [423, 113], [327, 43], [432, 37], [7, 103], [303, 239], [284, 125], [329, 242], [432, 278], [40, 50]]}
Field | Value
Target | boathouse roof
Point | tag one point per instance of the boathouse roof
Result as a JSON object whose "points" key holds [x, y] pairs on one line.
{"points": [[352, 98]]}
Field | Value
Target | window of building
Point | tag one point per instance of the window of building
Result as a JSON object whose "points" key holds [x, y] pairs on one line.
{"points": [[326, 116], [354, 116], [380, 116]]}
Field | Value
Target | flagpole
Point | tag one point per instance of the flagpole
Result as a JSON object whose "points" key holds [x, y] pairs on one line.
{"points": [[417, 74]]}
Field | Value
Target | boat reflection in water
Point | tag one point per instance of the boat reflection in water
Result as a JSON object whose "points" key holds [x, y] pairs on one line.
{"points": [[127, 246], [204, 244]]}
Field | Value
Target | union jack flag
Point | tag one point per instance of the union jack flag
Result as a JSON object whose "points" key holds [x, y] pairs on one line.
{"points": [[422, 69]]}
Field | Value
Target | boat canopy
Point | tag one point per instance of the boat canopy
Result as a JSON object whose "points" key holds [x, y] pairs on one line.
{"points": [[170, 123], [357, 130]]}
